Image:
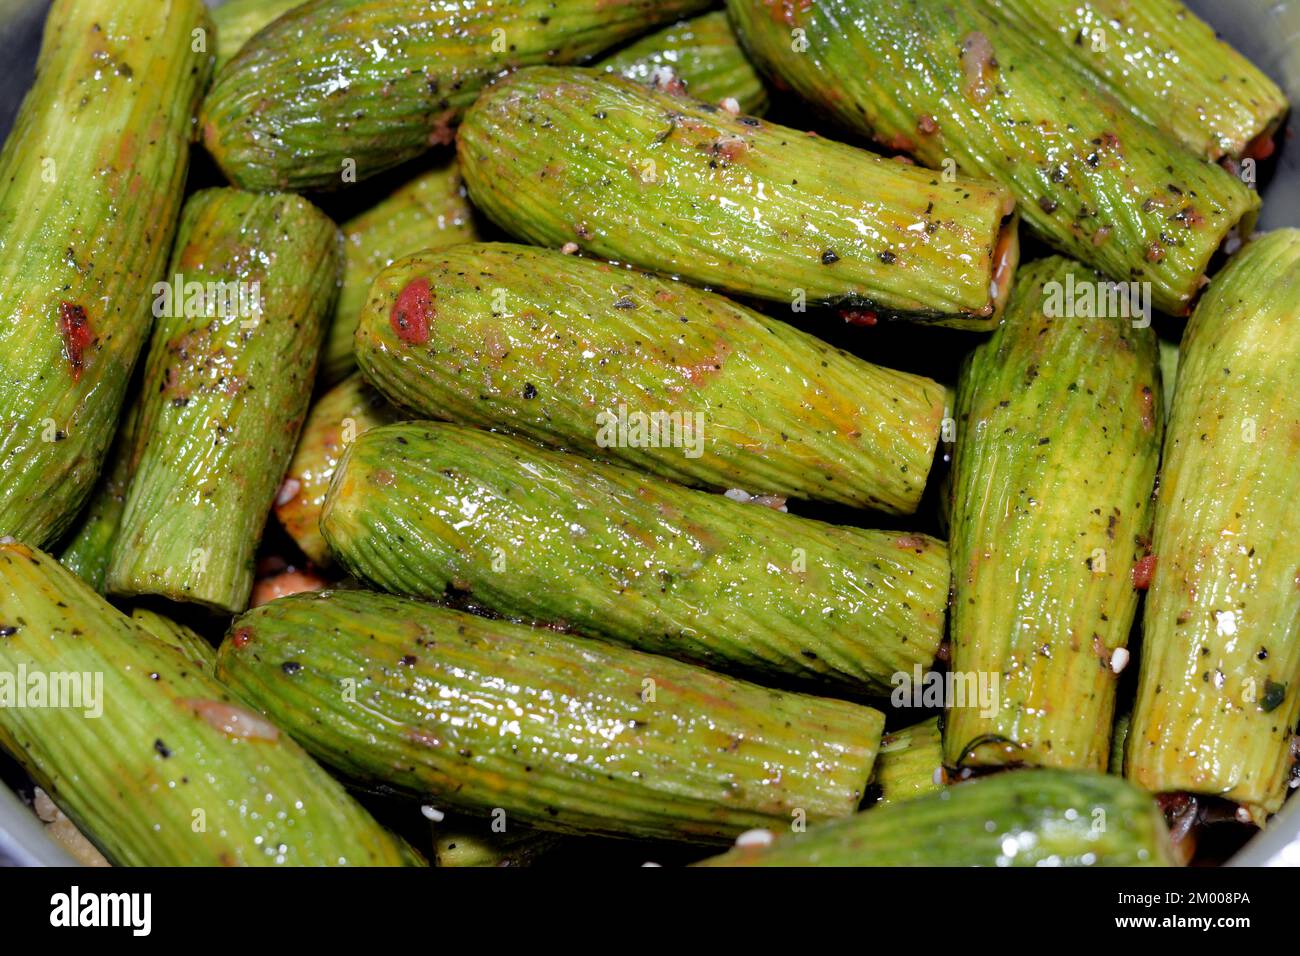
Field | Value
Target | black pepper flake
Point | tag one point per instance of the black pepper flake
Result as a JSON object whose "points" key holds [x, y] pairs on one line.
{"points": [[1274, 693]]}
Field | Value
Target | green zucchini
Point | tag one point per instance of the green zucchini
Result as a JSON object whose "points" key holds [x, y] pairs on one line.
{"points": [[961, 89], [478, 847], [646, 371], [238, 20], [1168, 372], [172, 771], [1162, 62], [429, 212], [558, 732], [704, 54], [342, 413], [1022, 818], [1219, 689], [91, 179], [335, 91], [174, 634], [1058, 439], [89, 547], [1119, 742], [226, 386], [535, 535], [943, 460], [571, 157], [910, 762]]}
